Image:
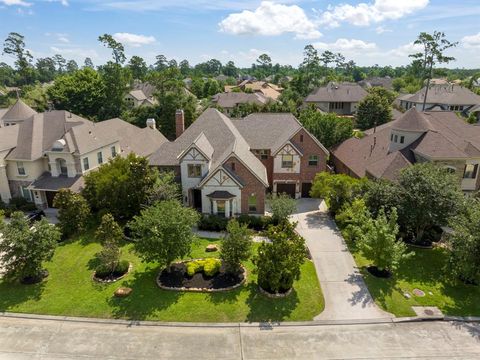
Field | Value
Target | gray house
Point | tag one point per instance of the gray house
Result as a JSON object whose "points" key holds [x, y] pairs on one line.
{"points": [[339, 98]]}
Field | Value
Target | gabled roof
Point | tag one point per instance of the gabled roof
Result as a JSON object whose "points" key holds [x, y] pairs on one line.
{"points": [[8, 137], [445, 94], [338, 92], [18, 112], [232, 99], [224, 138], [389, 166], [138, 95]]}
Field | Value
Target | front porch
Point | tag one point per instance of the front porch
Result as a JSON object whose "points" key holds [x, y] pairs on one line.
{"points": [[46, 187], [222, 203]]}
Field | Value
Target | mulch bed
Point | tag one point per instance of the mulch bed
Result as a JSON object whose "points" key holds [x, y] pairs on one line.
{"points": [[385, 274], [178, 278]]}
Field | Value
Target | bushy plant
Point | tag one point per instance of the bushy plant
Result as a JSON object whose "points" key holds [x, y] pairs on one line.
{"points": [[257, 223], [352, 218], [282, 206], [210, 222], [210, 267], [105, 271], [278, 262], [236, 246], [73, 211], [110, 235]]}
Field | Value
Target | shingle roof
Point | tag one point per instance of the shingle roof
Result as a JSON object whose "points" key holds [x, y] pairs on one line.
{"points": [[224, 138], [8, 137], [138, 95], [232, 99], [49, 183], [385, 82], [18, 111], [445, 94], [338, 92], [444, 136]]}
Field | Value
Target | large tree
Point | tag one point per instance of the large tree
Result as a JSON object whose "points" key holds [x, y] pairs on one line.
{"points": [[372, 111], [138, 67], [163, 232], [434, 47], [120, 187], [116, 79], [24, 249], [73, 211], [82, 92], [14, 45], [118, 51]]}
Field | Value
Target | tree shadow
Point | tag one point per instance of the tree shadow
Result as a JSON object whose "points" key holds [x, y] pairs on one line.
{"points": [[15, 293], [222, 297], [472, 328], [145, 299], [264, 309]]}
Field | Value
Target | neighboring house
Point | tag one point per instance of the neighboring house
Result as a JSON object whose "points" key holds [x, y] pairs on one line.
{"points": [[229, 101], [339, 98], [227, 166], [50, 151], [141, 95], [15, 114], [442, 97], [385, 82], [265, 88], [440, 137]]}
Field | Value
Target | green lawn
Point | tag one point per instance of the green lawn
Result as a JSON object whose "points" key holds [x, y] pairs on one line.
{"points": [[70, 291], [424, 271]]}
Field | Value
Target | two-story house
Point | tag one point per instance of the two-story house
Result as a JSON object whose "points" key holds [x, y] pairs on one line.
{"points": [[440, 137], [228, 101], [339, 98], [50, 151], [226, 167]]}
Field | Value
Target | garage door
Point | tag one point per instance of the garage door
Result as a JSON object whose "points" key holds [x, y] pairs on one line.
{"points": [[288, 189], [306, 189]]}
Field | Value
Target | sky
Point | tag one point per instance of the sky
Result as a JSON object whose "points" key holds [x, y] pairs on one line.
{"points": [[369, 32]]}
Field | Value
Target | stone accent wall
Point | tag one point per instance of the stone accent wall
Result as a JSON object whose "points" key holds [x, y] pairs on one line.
{"points": [[251, 186], [15, 187]]}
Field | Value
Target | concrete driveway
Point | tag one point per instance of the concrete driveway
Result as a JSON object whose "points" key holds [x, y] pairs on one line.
{"points": [[57, 338], [346, 295]]}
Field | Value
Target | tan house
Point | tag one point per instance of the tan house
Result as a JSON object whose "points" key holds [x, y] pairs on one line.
{"points": [[229, 101], [227, 166], [265, 88], [339, 98], [447, 97], [49, 151], [440, 137]]}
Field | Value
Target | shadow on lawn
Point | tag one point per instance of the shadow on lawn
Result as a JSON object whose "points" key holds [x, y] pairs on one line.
{"points": [[264, 309], [146, 298], [14, 293]]}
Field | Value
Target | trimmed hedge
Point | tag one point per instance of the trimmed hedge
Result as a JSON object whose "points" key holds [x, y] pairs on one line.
{"points": [[210, 267]]}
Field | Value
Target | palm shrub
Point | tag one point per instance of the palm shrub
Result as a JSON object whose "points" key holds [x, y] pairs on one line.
{"points": [[278, 262]]}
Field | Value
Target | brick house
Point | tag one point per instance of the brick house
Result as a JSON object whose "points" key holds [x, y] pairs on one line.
{"points": [[440, 137], [41, 153], [226, 167]]}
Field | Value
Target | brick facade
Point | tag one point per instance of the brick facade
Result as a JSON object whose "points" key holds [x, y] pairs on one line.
{"points": [[251, 186]]}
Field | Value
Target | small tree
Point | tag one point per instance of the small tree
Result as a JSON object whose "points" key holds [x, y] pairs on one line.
{"points": [[379, 243], [236, 246], [110, 235], [336, 189], [373, 110], [23, 249], [464, 261], [164, 188], [163, 232], [282, 206], [278, 262], [431, 195], [73, 211], [352, 219]]}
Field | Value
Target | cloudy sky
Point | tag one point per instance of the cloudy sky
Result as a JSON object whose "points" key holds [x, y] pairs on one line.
{"points": [[369, 32]]}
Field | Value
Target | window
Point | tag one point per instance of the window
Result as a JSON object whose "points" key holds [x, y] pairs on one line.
{"points": [[396, 138], [391, 137], [287, 161], [263, 154], [100, 158], [402, 139], [252, 203], [313, 160], [301, 137], [470, 171], [86, 165], [26, 194], [21, 168], [221, 208], [114, 151], [194, 170]]}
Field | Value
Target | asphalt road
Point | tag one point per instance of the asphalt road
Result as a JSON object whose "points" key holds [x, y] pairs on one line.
{"points": [[24, 338]]}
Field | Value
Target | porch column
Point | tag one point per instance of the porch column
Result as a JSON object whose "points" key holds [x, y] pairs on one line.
{"points": [[227, 209], [214, 209]]}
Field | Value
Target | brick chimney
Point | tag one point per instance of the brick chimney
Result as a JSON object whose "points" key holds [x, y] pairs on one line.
{"points": [[179, 122]]}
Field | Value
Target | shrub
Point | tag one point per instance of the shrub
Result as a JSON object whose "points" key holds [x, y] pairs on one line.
{"points": [[282, 206], [236, 246], [257, 223], [73, 211], [110, 235], [352, 218], [103, 271], [210, 267], [212, 223]]}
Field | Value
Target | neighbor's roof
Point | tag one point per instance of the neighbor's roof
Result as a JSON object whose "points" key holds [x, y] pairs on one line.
{"points": [[19, 111], [338, 92], [138, 95], [443, 136], [385, 82], [232, 99], [223, 137], [445, 94]]}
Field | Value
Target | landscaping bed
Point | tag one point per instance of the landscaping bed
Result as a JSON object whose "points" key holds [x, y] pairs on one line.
{"points": [[176, 278]]}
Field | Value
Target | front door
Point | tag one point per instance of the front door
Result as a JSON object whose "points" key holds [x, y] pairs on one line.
{"points": [[197, 199], [50, 196], [306, 187], [221, 208]]}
